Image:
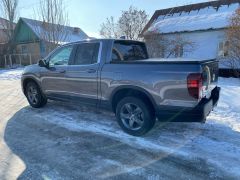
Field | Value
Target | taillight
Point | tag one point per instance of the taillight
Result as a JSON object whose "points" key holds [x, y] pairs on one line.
{"points": [[195, 84]]}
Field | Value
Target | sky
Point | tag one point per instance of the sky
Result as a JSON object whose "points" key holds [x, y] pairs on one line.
{"points": [[90, 14]]}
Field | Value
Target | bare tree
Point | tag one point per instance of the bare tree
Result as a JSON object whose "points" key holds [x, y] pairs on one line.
{"points": [[54, 19], [9, 12], [161, 46], [156, 44], [130, 24], [233, 38], [109, 29], [178, 46]]}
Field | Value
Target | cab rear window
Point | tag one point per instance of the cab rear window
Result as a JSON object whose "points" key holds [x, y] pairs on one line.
{"points": [[128, 51]]}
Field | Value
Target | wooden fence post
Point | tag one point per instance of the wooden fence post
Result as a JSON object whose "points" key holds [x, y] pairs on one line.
{"points": [[11, 63], [20, 59], [30, 56], [5, 58]]}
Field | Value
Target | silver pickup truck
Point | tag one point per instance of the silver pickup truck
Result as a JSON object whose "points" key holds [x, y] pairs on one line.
{"points": [[118, 75]]}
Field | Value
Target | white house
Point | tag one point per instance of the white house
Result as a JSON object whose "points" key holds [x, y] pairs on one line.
{"points": [[203, 25]]}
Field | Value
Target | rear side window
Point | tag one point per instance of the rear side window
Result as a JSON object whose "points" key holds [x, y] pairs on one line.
{"points": [[128, 51], [86, 53]]}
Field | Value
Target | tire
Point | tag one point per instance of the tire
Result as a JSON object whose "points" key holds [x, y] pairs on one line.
{"points": [[135, 116], [34, 95]]}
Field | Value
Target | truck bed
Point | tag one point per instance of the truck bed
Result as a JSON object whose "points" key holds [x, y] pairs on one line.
{"points": [[166, 61]]}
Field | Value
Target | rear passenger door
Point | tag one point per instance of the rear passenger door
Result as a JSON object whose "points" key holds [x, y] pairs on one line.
{"points": [[82, 74]]}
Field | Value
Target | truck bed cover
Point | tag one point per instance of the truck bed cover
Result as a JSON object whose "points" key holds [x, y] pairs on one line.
{"points": [[167, 61]]}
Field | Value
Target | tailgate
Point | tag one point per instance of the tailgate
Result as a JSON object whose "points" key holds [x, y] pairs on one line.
{"points": [[210, 77]]}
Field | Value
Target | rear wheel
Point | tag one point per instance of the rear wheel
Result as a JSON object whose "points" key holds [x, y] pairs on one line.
{"points": [[34, 95], [135, 116]]}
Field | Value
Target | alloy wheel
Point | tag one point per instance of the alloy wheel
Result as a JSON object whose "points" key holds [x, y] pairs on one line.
{"points": [[33, 95], [132, 116]]}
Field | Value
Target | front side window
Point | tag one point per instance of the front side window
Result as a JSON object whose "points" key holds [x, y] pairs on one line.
{"points": [[24, 49], [87, 53], [61, 57], [128, 51]]}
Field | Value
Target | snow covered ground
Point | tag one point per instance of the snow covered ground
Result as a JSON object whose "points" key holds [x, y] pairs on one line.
{"points": [[10, 74], [217, 141], [64, 140]]}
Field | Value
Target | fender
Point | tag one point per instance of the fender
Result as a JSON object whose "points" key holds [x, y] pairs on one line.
{"points": [[131, 87], [30, 77]]}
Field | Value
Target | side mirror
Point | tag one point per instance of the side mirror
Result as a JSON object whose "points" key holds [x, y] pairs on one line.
{"points": [[42, 63]]}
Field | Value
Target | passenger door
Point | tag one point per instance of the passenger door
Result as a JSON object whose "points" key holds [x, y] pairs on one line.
{"points": [[82, 74], [53, 77]]}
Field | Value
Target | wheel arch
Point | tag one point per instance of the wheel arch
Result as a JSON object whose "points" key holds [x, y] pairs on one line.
{"points": [[27, 80], [129, 90]]}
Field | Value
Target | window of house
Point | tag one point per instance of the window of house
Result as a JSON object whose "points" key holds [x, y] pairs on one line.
{"points": [[223, 49], [87, 53], [178, 51], [24, 49], [128, 51], [61, 57]]}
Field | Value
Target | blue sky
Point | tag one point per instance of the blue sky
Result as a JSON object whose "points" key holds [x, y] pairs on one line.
{"points": [[89, 14]]}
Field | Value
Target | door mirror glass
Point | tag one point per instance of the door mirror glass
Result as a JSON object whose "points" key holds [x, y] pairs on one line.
{"points": [[42, 63]]}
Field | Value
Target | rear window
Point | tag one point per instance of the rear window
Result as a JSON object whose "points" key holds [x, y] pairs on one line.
{"points": [[128, 51]]}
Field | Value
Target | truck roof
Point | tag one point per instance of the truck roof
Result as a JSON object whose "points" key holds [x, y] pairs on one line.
{"points": [[103, 39]]}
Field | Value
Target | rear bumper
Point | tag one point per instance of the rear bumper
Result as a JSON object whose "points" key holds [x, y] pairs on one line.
{"points": [[197, 114]]}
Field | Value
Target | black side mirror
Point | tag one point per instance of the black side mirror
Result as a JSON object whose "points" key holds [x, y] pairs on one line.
{"points": [[42, 63]]}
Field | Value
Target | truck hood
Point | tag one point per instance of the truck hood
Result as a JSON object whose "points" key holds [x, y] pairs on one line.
{"points": [[32, 69]]}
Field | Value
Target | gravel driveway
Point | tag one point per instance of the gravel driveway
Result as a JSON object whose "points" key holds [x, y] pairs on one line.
{"points": [[66, 141]]}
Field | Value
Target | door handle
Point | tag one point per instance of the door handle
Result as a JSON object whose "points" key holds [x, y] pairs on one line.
{"points": [[62, 71], [91, 70]]}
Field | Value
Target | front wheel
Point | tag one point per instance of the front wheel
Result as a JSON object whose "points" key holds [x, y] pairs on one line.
{"points": [[34, 95], [135, 116]]}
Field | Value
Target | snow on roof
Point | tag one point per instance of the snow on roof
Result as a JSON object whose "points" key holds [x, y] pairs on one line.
{"points": [[4, 23], [72, 34], [198, 19]]}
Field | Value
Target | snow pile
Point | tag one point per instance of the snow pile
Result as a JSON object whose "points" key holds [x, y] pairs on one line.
{"points": [[11, 74], [204, 19], [228, 111]]}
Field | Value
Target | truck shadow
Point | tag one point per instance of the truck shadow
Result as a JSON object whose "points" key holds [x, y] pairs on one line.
{"points": [[64, 141]]}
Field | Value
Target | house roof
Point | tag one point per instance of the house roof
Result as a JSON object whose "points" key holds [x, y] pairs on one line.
{"points": [[193, 17], [38, 27], [4, 23]]}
